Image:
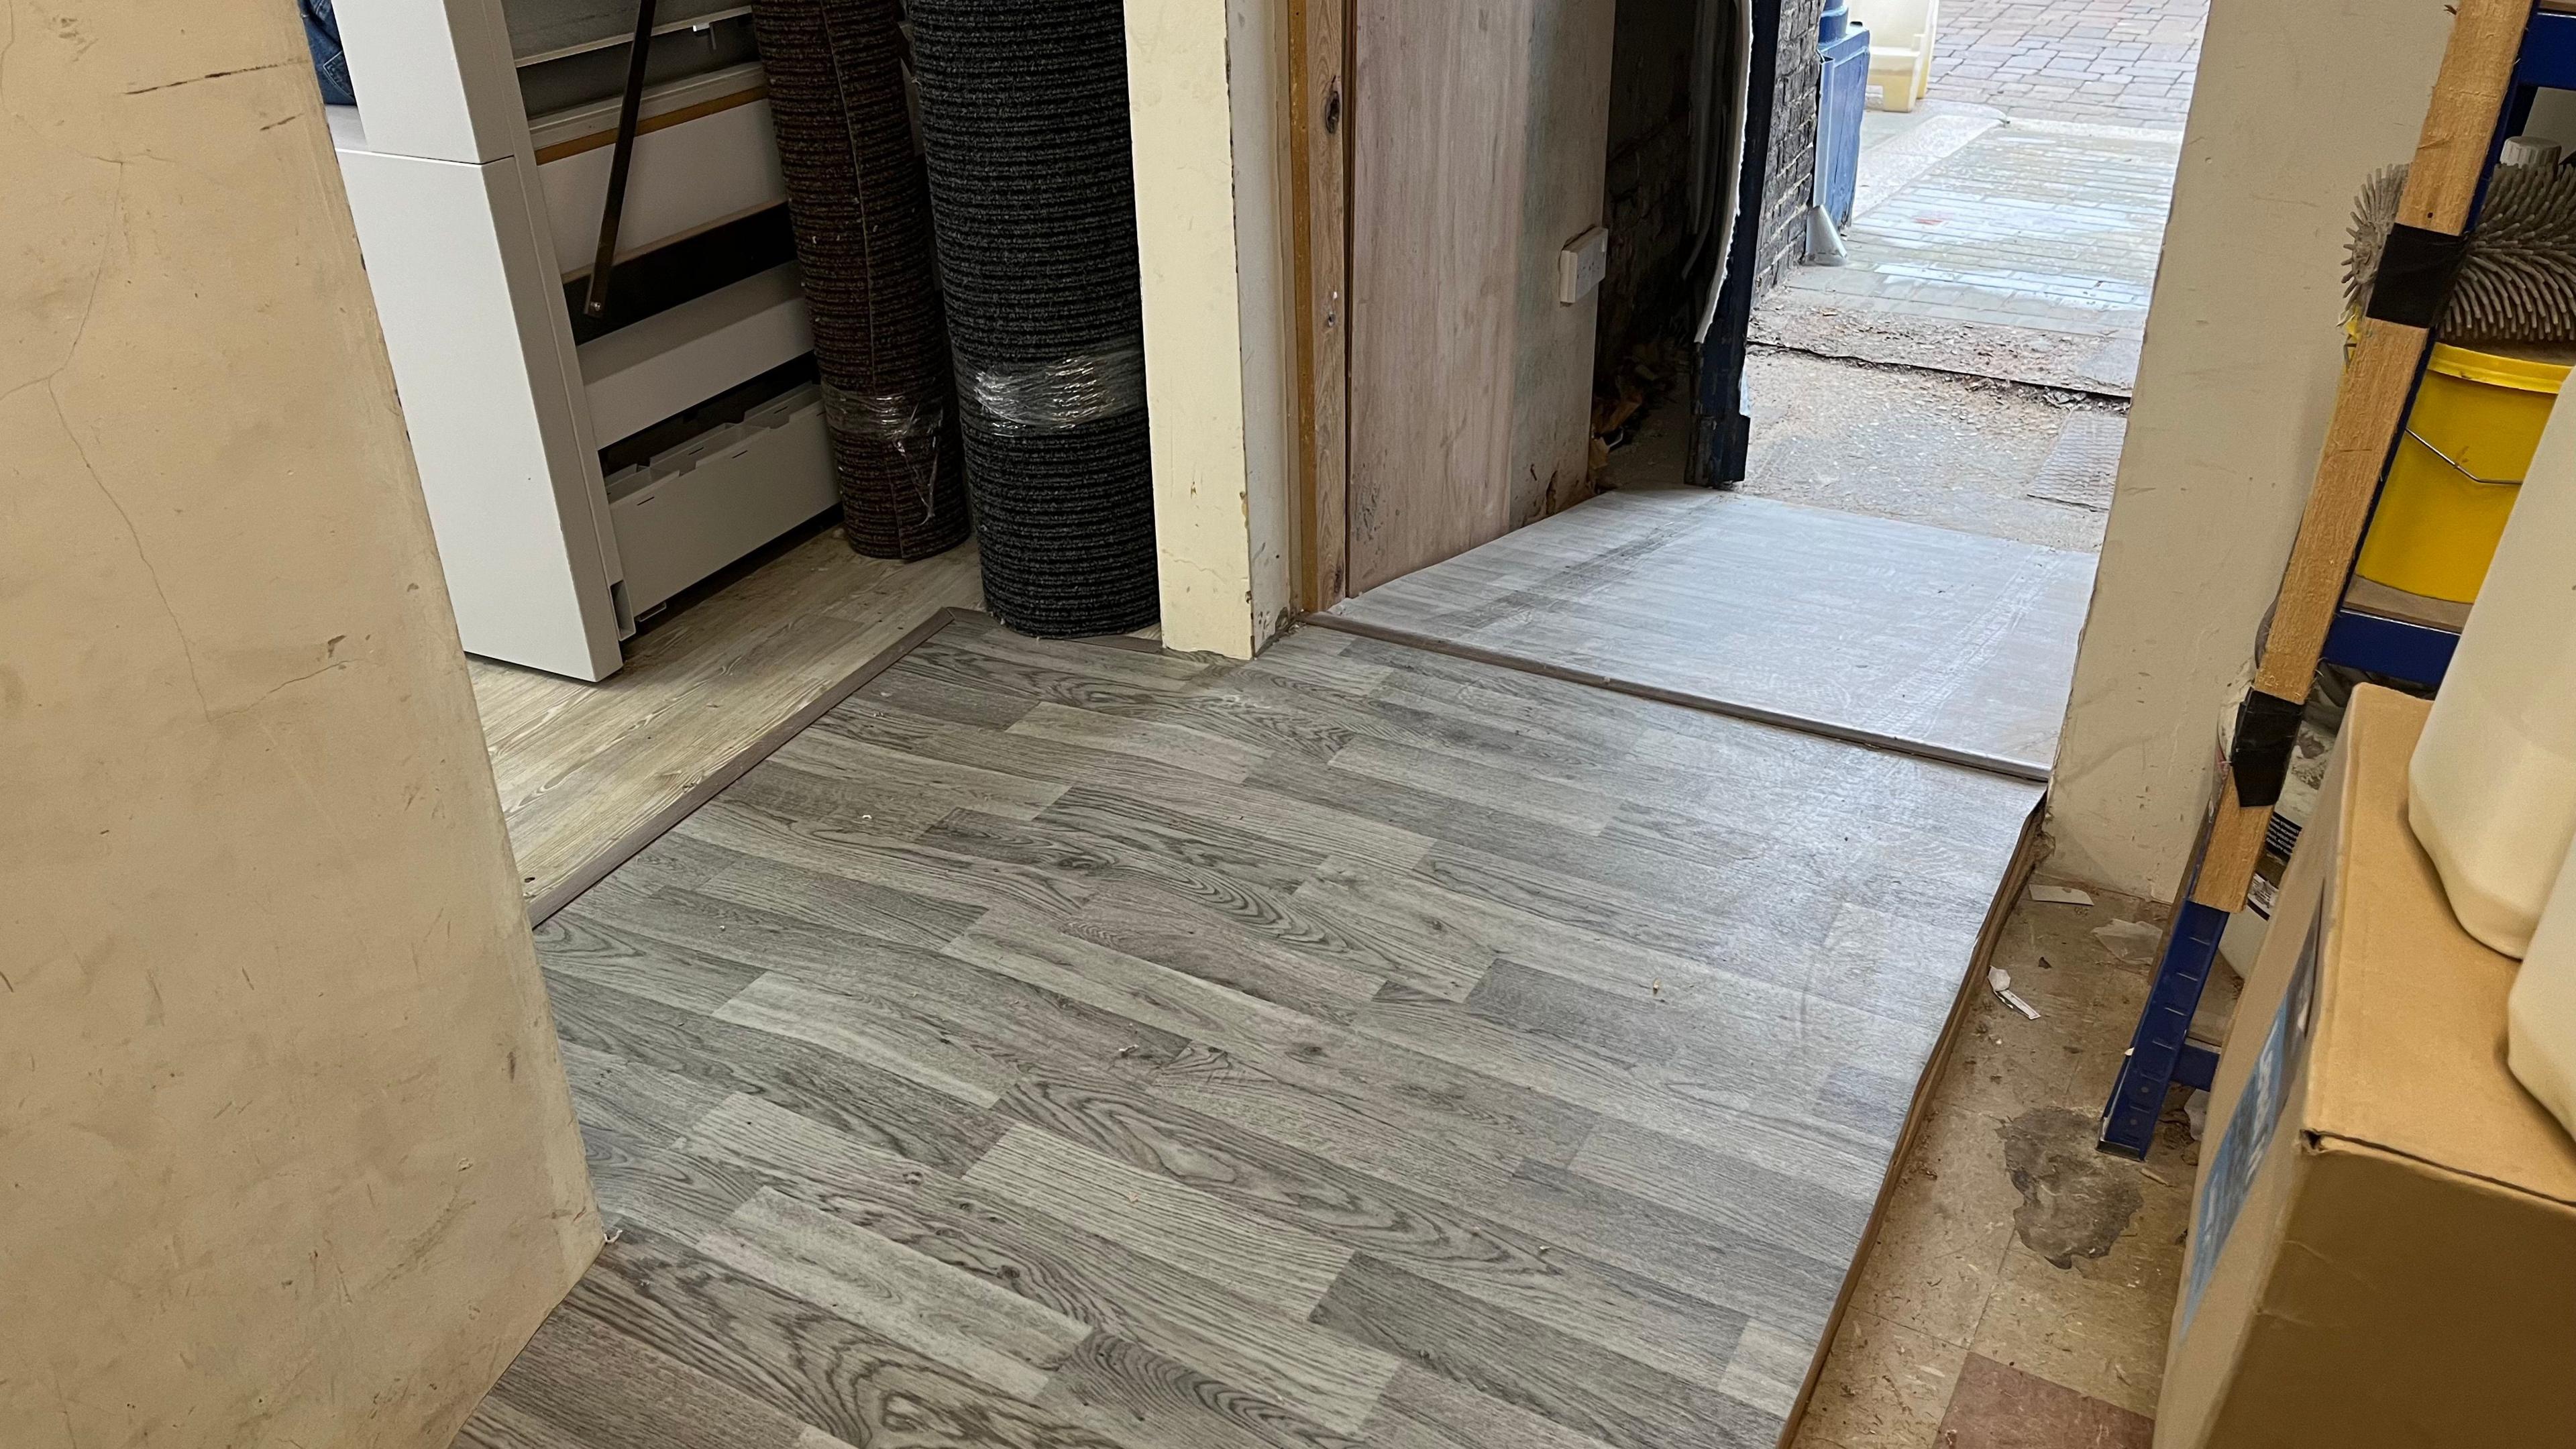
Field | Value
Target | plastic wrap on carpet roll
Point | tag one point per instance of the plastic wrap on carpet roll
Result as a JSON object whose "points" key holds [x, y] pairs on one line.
{"points": [[860, 204], [1024, 110]]}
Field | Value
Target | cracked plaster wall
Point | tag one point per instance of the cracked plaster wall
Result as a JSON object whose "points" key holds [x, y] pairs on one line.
{"points": [[286, 1153]]}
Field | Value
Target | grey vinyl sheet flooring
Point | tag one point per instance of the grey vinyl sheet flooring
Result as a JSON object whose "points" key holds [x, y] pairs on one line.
{"points": [[1066, 1045], [1955, 642]]}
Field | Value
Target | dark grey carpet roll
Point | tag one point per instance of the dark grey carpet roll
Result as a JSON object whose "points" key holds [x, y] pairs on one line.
{"points": [[1024, 108], [860, 202]]}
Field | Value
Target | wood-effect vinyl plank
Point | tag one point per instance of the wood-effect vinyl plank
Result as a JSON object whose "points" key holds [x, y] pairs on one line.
{"points": [[1201, 936], [870, 1104], [1785, 1137], [1108, 1049], [1119, 849], [1422, 1410], [1392, 715], [1714, 1187], [1756, 1276], [607, 1390], [1356, 951], [672, 860], [1076, 679], [968, 1024], [861, 857], [1177, 747], [1404, 1091], [579, 765], [1293, 823], [782, 788], [660, 1187], [1641, 1028], [1937, 637], [643, 1103], [1289, 1075], [1369, 764], [767, 895], [1085, 1277], [601, 948], [846, 1381], [899, 693], [951, 1317], [916, 1050], [1157, 1402], [1483, 927], [499, 1424], [864, 770], [1454, 1245], [1160, 1216], [1420, 812], [1506, 1356]]}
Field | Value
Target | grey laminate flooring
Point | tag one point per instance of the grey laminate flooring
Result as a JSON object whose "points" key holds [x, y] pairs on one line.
{"points": [[1951, 642], [1066, 1045]]}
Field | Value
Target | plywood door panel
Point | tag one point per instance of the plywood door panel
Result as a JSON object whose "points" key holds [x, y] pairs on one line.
{"points": [[1438, 99], [1568, 160]]}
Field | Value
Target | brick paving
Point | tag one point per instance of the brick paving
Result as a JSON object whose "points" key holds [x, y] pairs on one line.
{"points": [[2122, 62], [2042, 224], [2011, 224]]}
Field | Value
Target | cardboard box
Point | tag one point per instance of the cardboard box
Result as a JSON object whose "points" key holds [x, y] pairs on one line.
{"points": [[2383, 1243]]}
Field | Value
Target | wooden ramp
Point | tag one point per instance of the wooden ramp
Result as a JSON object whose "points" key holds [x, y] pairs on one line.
{"points": [[1951, 645], [1067, 1046]]}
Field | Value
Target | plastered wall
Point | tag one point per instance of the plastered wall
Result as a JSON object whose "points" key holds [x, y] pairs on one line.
{"points": [[2297, 102], [286, 1154], [1208, 107]]}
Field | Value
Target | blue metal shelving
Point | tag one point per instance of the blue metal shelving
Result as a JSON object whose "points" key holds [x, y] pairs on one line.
{"points": [[2161, 1054]]}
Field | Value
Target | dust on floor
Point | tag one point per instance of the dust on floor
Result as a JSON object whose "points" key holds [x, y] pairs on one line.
{"points": [[1955, 452], [1965, 1332]]}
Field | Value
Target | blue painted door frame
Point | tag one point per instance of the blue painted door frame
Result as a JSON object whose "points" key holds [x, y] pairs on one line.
{"points": [[1722, 417]]}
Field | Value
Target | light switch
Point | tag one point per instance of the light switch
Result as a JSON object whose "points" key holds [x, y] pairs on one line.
{"points": [[1580, 267]]}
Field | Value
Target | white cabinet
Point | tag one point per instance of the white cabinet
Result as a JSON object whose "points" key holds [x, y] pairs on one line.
{"points": [[472, 216]]}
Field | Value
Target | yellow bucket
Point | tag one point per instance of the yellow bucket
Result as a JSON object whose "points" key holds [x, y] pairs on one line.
{"points": [[2476, 421]]}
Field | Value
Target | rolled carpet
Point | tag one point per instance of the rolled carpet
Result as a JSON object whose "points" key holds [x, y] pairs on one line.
{"points": [[860, 205], [1024, 114]]}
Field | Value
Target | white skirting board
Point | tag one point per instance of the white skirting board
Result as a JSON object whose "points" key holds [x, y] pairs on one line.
{"points": [[720, 495]]}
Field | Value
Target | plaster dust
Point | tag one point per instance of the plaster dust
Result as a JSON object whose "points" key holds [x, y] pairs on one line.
{"points": [[2075, 1201], [287, 1155]]}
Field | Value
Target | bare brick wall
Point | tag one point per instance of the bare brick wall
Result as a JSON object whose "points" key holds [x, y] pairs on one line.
{"points": [[1647, 195], [1792, 171]]}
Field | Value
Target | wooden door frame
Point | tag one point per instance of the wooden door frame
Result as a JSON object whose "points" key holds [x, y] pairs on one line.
{"points": [[1320, 52]]}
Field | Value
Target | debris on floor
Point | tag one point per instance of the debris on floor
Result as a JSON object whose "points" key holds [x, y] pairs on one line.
{"points": [[2001, 980], [2132, 943], [2076, 1201], [2058, 895]]}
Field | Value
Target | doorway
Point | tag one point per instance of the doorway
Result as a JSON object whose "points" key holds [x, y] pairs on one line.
{"points": [[1912, 450]]}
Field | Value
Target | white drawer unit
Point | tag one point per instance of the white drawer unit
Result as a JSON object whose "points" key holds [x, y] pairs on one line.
{"points": [[673, 360], [698, 507], [704, 155], [477, 162]]}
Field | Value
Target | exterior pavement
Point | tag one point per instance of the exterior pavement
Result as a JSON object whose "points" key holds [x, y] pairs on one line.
{"points": [[2126, 62]]}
